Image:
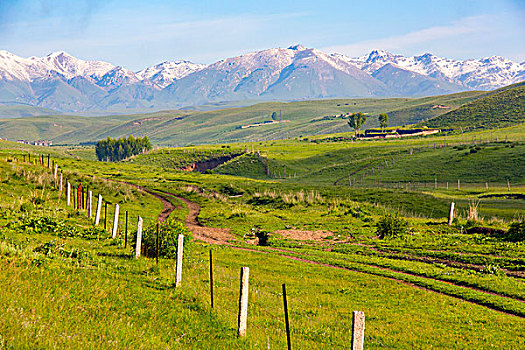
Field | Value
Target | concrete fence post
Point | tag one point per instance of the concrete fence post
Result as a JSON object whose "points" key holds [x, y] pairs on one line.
{"points": [[89, 203], [451, 214], [99, 208], [358, 330], [243, 302], [115, 222], [138, 246], [178, 269], [68, 194]]}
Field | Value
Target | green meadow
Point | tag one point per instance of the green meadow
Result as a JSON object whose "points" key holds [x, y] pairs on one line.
{"points": [[305, 211]]}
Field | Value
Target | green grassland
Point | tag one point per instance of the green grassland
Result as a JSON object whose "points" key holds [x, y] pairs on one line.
{"points": [[499, 109], [184, 127], [16, 111], [69, 285]]}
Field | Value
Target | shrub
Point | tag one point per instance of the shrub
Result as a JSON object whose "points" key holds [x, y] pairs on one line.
{"points": [[516, 232], [391, 226], [26, 207], [169, 231]]}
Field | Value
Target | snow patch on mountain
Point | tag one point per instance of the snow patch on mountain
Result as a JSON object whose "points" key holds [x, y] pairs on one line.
{"points": [[485, 73], [166, 73]]}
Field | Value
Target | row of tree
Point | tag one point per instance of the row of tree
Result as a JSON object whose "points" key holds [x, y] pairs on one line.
{"points": [[113, 150], [356, 120]]}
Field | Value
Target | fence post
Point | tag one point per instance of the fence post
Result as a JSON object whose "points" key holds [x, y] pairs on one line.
{"points": [[89, 204], [180, 250], [105, 215], [435, 183], [486, 186], [288, 340], [243, 302], [68, 194], [126, 231], [358, 330], [459, 185], [55, 173], [211, 277], [138, 246], [451, 214], [115, 222], [99, 208], [157, 245], [60, 186], [508, 184]]}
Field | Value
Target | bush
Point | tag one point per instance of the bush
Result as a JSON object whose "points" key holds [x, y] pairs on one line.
{"points": [[516, 232], [169, 231], [391, 226]]}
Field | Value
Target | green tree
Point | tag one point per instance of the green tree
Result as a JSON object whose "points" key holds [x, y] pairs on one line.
{"points": [[112, 150], [383, 121], [356, 120]]}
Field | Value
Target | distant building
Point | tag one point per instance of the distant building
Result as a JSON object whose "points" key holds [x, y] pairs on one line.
{"points": [[45, 143]]}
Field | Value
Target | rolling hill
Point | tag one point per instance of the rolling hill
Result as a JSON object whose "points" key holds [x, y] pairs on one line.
{"points": [[500, 108]]}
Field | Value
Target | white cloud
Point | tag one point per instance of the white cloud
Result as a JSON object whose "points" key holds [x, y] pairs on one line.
{"points": [[465, 26]]}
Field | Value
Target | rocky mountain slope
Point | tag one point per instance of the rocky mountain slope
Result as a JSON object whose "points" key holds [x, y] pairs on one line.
{"points": [[64, 83]]}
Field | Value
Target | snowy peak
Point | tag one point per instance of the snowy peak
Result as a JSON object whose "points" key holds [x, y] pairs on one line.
{"points": [[297, 47], [485, 73], [66, 83], [57, 63], [166, 73], [117, 77]]}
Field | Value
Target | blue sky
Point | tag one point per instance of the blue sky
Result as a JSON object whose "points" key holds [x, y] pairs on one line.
{"points": [[136, 34]]}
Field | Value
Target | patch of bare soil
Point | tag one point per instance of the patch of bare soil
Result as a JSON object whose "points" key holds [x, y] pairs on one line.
{"points": [[213, 235], [302, 235]]}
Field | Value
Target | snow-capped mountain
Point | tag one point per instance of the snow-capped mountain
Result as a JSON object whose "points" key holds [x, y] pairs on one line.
{"points": [[166, 73], [482, 74], [60, 63], [287, 74], [68, 84]]}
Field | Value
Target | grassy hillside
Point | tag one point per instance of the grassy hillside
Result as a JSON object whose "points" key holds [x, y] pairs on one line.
{"points": [[67, 284], [17, 111], [502, 108], [185, 127]]}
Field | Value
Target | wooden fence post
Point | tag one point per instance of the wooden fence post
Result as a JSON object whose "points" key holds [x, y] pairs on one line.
{"points": [[486, 186], [358, 330], [157, 245], [115, 222], [126, 231], [288, 340], [243, 302], [61, 182], [459, 185], [105, 215], [451, 214], [55, 173], [178, 270], [508, 184], [99, 208], [211, 278], [138, 246]]}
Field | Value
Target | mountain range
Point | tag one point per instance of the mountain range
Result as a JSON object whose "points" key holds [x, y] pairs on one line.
{"points": [[67, 84]]}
